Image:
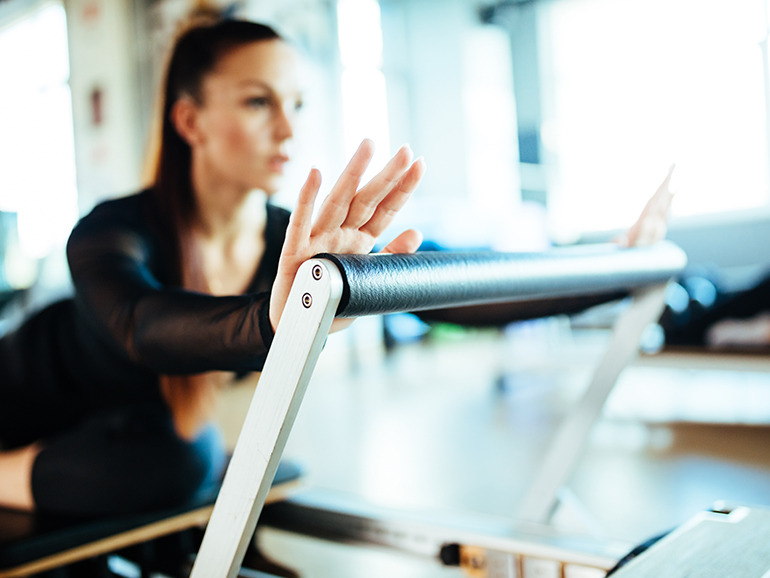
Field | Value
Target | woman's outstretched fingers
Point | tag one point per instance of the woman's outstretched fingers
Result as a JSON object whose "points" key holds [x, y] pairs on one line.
{"points": [[296, 246], [652, 224], [407, 242], [305, 238], [661, 200], [369, 196], [395, 200], [334, 209], [301, 221]]}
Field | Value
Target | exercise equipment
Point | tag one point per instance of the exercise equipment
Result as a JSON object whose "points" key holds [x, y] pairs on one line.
{"points": [[724, 542], [355, 285]]}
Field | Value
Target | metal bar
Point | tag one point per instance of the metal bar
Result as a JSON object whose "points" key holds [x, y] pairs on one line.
{"points": [[298, 342], [572, 436]]}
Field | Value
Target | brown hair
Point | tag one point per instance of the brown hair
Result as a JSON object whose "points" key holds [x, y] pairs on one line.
{"points": [[195, 55]]}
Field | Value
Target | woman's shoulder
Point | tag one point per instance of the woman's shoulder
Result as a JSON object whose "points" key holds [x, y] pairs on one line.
{"points": [[279, 214], [116, 225], [127, 211], [277, 223]]}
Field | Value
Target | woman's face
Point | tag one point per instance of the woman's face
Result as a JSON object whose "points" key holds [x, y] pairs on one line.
{"points": [[246, 120]]}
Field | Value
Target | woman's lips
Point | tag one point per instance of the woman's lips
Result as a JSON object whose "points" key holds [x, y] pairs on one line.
{"points": [[277, 162]]}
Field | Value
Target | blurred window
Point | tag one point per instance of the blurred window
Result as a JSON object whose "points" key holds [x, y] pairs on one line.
{"points": [[631, 86], [364, 101], [37, 157]]}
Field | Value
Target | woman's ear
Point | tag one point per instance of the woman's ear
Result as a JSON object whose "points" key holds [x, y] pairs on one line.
{"points": [[184, 117]]}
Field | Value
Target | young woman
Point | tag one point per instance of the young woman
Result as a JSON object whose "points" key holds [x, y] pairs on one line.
{"points": [[105, 398]]}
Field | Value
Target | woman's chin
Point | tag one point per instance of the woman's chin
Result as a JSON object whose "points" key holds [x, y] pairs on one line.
{"points": [[269, 185], [272, 188]]}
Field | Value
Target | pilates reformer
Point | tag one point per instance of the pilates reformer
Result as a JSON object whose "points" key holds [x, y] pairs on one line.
{"points": [[354, 286], [563, 280]]}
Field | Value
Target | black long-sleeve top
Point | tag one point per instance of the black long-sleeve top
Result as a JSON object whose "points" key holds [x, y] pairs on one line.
{"points": [[127, 324]]}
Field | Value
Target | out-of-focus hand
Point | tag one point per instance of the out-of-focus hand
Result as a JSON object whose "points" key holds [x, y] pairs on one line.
{"points": [[350, 219], [652, 224]]}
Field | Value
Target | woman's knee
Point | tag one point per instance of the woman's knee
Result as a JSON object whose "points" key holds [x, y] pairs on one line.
{"points": [[15, 477], [125, 463]]}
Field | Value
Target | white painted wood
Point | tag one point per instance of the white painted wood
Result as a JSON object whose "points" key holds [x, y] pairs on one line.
{"points": [[567, 447], [707, 359], [298, 342], [356, 521], [540, 568]]}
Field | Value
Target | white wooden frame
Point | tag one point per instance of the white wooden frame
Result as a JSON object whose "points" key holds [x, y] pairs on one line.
{"points": [[298, 341], [570, 440]]}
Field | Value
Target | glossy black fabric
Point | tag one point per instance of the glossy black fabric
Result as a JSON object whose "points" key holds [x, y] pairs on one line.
{"points": [[120, 273], [125, 326], [98, 356], [123, 461]]}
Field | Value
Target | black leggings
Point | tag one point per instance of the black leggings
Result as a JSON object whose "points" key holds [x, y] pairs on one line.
{"points": [[125, 461], [105, 450]]}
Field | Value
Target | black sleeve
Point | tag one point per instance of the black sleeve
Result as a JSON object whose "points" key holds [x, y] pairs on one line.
{"points": [[163, 329]]}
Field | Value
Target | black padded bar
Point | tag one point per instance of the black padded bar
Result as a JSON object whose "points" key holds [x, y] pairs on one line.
{"points": [[377, 284]]}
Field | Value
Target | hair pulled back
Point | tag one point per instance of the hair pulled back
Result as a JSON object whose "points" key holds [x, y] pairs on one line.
{"points": [[195, 55]]}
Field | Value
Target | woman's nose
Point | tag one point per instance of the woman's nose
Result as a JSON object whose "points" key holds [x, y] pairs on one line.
{"points": [[284, 124]]}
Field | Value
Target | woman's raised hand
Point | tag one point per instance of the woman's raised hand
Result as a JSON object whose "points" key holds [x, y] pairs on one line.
{"points": [[350, 219], [652, 224]]}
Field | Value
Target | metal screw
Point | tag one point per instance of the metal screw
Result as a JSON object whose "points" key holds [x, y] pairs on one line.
{"points": [[318, 272], [307, 300]]}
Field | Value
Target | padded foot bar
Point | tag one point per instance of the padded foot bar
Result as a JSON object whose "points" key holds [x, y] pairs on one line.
{"points": [[375, 284]]}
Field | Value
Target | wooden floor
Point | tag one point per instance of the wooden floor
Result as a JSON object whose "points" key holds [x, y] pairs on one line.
{"points": [[434, 428]]}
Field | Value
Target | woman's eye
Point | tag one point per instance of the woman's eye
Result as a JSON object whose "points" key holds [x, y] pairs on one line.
{"points": [[258, 101], [298, 105]]}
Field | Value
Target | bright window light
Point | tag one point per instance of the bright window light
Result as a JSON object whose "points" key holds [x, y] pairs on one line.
{"points": [[360, 33], [635, 85], [364, 101], [489, 112], [37, 157]]}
